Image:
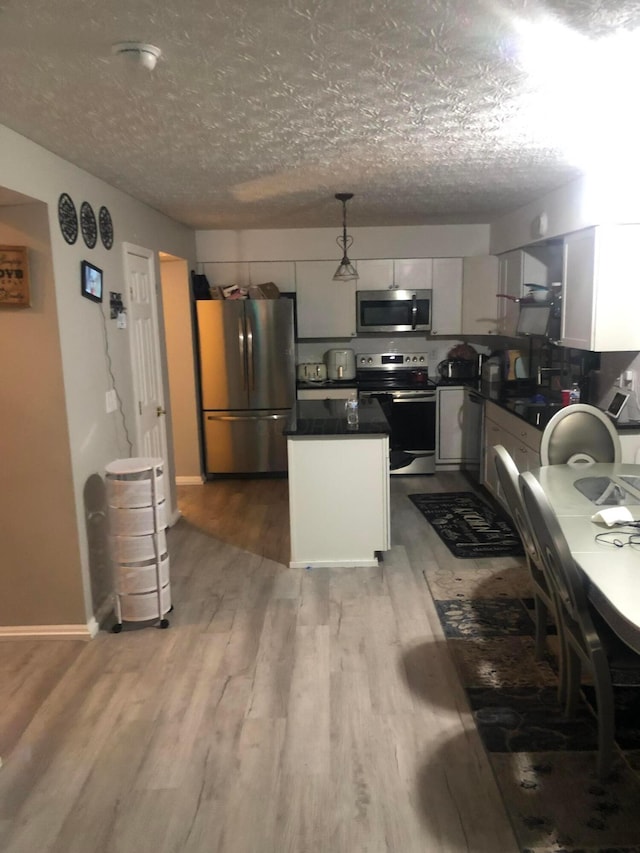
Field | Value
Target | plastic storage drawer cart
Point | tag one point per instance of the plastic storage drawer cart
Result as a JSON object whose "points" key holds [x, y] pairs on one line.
{"points": [[137, 520]]}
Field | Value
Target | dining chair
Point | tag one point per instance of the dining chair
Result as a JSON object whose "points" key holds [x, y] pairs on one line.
{"points": [[544, 604], [579, 434], [586, 637]]}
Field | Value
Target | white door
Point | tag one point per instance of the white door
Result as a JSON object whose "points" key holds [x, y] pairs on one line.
{"points": [[151, 436]]}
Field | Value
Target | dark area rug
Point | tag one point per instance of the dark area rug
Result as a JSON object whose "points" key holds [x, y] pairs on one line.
{"points": [[469, 526], [544, 763]]}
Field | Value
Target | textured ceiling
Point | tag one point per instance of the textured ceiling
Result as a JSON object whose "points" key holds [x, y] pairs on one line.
{"points": [[260, 110]]}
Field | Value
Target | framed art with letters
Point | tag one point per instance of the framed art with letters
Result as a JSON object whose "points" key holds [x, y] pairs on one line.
{"points": [[14, 277]]}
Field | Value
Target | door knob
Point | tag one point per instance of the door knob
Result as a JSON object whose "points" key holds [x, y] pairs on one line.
{"points": [[160, 411]]}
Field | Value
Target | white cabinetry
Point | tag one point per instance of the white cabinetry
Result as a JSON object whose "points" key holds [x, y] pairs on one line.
{"points": [[375, 275], [517, 268], [395, 274], [479, 289], [447, 296], [338, 500], [327, 393], [412, 273], [325, 308], [137, 520], [449, 425], [601, 293], [519, 438]]}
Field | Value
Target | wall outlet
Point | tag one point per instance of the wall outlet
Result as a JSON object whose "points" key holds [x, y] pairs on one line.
{"points": [[111, 400]]}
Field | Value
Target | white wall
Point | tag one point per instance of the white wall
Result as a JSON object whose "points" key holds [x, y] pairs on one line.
{"points": [[314, 244], [90, 344]]}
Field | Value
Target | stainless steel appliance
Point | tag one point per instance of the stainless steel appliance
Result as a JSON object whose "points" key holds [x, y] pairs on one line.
{"points": [[314, 371], [341, 363], [247, 382], [458, 368], [472, 433], [400, 382], [393, 311]]}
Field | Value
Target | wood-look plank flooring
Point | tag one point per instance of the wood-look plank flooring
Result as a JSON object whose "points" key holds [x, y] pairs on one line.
{"points": [[283, 710]]}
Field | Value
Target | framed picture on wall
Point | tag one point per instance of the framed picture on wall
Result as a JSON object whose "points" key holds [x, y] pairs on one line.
{"points": [[14, 277], [91, 281]]}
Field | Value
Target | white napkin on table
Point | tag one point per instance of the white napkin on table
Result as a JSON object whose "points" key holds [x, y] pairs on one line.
{"points": [[613, 515]]}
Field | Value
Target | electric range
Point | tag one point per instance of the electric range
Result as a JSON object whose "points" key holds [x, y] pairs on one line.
{"points": [[400, 382]]}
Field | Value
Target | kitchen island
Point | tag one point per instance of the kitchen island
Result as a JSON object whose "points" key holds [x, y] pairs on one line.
{"points": [[338, 484]]}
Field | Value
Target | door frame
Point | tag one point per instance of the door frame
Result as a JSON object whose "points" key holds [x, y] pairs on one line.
{"points": [[148, 255]]}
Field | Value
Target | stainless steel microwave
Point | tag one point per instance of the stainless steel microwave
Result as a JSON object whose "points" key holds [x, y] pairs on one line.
{"points": [[393, 311]]}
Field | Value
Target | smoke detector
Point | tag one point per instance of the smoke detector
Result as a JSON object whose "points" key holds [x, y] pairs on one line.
{"points": [[138, 53]]}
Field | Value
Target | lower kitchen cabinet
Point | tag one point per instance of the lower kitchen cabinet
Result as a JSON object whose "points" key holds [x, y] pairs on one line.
{"points": [[450, 401], [325, 308], [341, 393], [519, 438], [338, 500]]}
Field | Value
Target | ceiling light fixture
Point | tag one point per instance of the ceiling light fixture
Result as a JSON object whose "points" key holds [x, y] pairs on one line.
{"points": [[138, 53], [346, 271]]}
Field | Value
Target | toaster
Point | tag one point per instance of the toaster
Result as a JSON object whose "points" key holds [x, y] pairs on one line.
{"points": [[315, 371]]}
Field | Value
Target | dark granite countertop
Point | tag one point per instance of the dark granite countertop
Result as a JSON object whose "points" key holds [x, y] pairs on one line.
{"points": [[327, 383], [329, 417], [538, 407]]}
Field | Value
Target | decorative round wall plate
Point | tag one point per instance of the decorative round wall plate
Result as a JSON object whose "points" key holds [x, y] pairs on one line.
{"points": [[106, 227], [88, 225], [68, 218]]}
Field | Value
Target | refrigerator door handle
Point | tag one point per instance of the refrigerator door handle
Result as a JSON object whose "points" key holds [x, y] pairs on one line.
{"points": [[250, 364], [241, 343], [258, 417]]}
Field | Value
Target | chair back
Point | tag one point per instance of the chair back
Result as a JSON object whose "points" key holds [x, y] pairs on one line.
{"points": [[508, 477], [577, 434], [561, 568]]}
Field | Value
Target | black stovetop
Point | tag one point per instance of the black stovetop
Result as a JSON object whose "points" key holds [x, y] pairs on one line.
{"points": [[397, 380]]}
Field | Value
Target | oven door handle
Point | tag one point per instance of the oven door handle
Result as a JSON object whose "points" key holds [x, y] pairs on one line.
{"points": [[422, 398]]}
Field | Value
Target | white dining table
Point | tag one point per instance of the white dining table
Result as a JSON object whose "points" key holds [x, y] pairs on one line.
{"points": [[613, 573]]}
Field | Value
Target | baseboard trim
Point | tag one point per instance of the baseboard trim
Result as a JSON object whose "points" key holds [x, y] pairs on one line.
{"points": [[190, 481], [53, 632]]}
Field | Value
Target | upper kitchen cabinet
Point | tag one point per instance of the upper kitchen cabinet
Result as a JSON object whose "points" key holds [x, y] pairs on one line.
{"points": [[375, 275], [447, 296], [398, 274], [412, 273], [325, 308], [479, 288], [601, 292], [517, 269]]}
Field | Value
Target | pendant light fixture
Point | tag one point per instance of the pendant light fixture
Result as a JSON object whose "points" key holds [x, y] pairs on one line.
{"points": [[346, 271]]}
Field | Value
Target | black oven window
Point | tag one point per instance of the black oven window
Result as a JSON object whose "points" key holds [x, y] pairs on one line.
{"points": [[413, 425], [394, 313]]}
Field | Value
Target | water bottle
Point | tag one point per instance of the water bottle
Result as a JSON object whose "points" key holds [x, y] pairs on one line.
{"points": [[352, 410], [574, 393]]}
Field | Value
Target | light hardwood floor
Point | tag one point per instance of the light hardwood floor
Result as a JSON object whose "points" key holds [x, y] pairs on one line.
{"points": [[283, 710]]}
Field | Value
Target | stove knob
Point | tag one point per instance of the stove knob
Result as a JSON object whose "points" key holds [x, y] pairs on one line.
{"points": [[414, 359], [370, 360], [421, 358]]}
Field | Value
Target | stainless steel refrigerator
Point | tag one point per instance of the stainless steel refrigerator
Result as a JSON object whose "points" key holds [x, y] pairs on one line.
{"points": [[247, 382]]}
